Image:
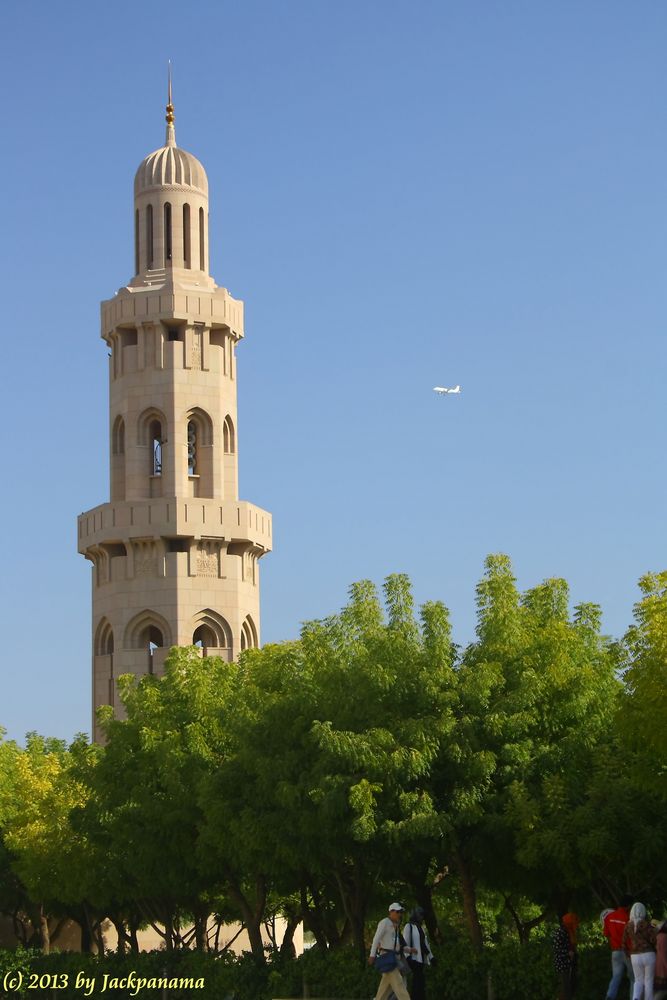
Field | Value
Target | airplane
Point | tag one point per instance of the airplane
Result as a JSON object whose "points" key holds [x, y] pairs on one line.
{"points": [[442, 391]]}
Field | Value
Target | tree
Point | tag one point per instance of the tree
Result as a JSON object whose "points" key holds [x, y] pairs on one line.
{"points": [[330, 738], [535, 691], [38, 791], [644, 657], [143, 812]]}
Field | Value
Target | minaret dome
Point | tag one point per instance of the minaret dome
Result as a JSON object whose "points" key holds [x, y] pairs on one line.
{"points": [[170, 208]]}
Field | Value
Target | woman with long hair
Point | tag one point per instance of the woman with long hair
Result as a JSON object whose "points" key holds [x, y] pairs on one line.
{"points": [[639, 940]]}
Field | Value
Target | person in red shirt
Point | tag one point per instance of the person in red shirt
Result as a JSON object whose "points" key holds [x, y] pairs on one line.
{"points": [[661, 962], [613, 929]]}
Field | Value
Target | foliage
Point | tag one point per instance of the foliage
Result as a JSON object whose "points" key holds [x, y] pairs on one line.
{"points": [[642, 718], [525, 971], [370, 758]]}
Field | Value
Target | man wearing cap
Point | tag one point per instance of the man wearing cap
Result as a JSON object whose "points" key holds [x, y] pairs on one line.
{"points": [[388, 939], [613, 928]]}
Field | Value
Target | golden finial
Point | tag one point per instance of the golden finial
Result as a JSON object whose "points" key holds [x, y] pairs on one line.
{"points": [[171, 132]]}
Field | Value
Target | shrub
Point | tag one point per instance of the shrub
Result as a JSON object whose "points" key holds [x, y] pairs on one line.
{"points": [[517, 971]]}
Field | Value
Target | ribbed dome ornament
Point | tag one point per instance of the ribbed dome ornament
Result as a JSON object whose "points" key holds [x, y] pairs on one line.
{"points": [[171, 131], [170, 166]]}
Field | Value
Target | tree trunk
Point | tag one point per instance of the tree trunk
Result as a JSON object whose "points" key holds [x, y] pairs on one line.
{"points": [[56, 930], [44, 936], [312, 919], [252, 915], [86, 941], [98, 935], [424, 897], [351, 892], [201, 920], [523, 929], [169, 931], [134, 921], [287, 944], [119, 926], [20, 928], [469, 896], [358, 903], [152, 918]]}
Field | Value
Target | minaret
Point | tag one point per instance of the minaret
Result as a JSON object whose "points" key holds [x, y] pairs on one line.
{"points": [[175, 553]]}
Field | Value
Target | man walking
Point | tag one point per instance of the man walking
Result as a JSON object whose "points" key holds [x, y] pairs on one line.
{"points": [[613, 929], [386, 950]]}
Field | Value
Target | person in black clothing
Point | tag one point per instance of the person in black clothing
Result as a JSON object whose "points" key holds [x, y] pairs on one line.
{"points": [[565, 959], [415, 937]]}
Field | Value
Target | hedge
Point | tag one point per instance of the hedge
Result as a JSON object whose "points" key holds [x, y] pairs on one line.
{"points": [[524, 971]]}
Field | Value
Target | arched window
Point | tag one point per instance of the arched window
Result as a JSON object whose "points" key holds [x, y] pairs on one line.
{"points": [[200, 451], [248, 634], [204, 637], [147, 630], [167, 232], [186, 236], [211, 631], [202, 249], [155, 435], [118, 459], [228, 438], [118, 437], [192, 448], [104, 639], [136, 242], [152, 436], [149, 237], [152, 638]]}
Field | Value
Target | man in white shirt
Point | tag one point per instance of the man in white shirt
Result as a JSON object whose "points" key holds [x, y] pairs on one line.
{"points": [[388, 939]]}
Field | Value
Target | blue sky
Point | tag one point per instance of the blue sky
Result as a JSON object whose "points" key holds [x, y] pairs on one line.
{"points": [[404, 194]]}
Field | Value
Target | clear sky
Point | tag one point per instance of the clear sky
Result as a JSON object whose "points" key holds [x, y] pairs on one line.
{"points": [[405, 194]]}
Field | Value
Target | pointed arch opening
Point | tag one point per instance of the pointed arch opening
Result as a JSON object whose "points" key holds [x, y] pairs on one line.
{"points": [[149, 633], [118, 459], [228, 436], [147, 629], [192, 448], [151, 436], [212, 634], [104, 644], [149, 237], [248, 634], [118, 436], [136, 241], [202, 236], [187, 259], [200, 451], [103, 647], [167, 233]]}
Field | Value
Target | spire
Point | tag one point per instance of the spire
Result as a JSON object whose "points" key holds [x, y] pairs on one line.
{"points": [[171, 131]]}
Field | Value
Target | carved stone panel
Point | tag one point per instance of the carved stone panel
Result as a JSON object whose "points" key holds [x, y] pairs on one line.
{"points": [[195, 351], [208, 559], [145, 559]]}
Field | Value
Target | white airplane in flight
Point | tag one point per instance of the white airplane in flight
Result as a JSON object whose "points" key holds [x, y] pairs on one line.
{"points": [[442, 391]]}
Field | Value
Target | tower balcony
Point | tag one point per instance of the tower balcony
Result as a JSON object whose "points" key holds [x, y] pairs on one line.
{"points": [[171, 301], [228, 520]]}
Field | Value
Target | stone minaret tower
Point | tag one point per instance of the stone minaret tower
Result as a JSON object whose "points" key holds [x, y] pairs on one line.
{"points": [[175, 553]]}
